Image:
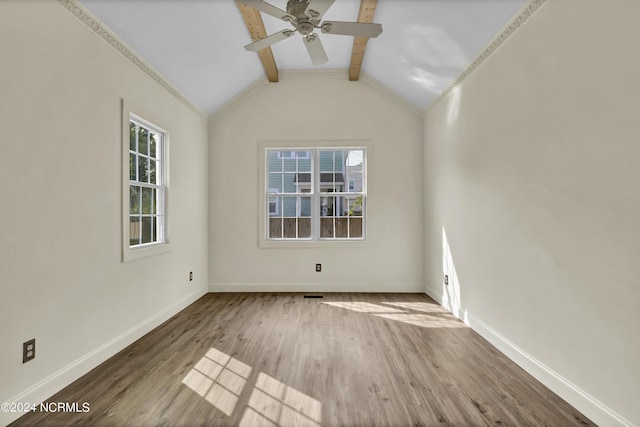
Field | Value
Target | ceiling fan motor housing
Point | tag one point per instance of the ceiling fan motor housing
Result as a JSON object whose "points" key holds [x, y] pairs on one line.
{"points": [[297, 8]]}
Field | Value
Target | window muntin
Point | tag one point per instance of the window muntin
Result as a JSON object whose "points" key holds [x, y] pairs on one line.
{"points": [[146, 183], [315, 194]]}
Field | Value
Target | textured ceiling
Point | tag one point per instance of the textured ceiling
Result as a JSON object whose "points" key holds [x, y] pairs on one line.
{"points": [[197, 45]]}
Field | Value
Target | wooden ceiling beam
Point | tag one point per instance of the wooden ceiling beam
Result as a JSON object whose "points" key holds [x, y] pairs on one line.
{"points": [[254, 23], [367, 10]]}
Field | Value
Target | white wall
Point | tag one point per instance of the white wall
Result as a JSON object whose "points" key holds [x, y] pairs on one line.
{"points": [[317, 106], [61, 276], [531, 171]]}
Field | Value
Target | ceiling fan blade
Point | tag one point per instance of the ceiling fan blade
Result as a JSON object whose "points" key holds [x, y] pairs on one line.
{"points": [[358, 29], [315, 49], [318, 8], [269, 40], [265, 7]]}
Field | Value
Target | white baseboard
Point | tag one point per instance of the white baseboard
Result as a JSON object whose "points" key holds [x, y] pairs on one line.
{"points": [[592, 408], [55, 382], [317, 287]]}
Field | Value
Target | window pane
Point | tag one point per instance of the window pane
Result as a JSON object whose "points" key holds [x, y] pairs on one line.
{"points": [[274, 206], [132, 136], [289, 207], [274, 164], [354, 205], [355, 158], [304, 208], [146, 229], [290, 183], [153, 164], [326, 161], [143, 135], [338, 182], [304, 228], [143, 169], [342, 228], [153, 144], [290, 164], [275, 228], [355, 227], [275, 182], [327, 205], [134, 199], [134, 230], [289, 227], [303, 154], [326, 228], [355, 180], [304, 165], [303, 181], [154, 229], [132, 167], [148, 202]]}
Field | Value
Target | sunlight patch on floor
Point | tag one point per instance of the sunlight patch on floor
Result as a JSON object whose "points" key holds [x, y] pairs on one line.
{"points": [[424, 320], [363, 307], [425, 307], [219, 378], [273, 403], [438, 317]]}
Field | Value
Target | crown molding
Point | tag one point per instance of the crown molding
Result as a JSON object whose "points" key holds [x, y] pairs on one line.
{"points": [[525, 13], [102, 31]]}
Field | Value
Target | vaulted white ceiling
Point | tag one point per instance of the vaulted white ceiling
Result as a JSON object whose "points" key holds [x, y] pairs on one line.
{"points": [[197, 45]]}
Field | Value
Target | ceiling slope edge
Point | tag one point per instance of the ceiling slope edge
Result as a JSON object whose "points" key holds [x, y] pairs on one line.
{"points": [[106, 34], [338, 74], [372, 82], [525, 13], [241, 96]]}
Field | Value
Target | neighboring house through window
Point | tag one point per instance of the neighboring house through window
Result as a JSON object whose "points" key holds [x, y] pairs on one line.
{"points": [[315, 193]]}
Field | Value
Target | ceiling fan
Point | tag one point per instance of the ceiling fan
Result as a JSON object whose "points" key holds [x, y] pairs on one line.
{"points": [[306, 16]]}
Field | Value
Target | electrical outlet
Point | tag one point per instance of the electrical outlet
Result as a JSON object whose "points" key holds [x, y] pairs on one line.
{"points": [[29, 350], [318, 268], [446, 279], [191, 276]]}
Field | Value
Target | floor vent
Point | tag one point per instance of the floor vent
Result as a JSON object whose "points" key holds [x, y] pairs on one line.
{"points": [[313, 296]]}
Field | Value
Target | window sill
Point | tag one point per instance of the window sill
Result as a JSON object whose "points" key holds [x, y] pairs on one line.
{"points": [[133, 254]]}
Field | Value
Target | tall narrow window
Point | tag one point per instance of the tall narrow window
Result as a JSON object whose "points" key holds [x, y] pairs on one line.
{"points": [[146, 183], [315, 193]]}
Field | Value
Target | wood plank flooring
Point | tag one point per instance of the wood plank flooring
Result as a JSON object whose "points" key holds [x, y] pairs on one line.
{"points": [[281, 359]]}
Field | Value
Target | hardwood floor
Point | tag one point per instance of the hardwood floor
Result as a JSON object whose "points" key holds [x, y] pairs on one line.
{"points": [[281, 359]]}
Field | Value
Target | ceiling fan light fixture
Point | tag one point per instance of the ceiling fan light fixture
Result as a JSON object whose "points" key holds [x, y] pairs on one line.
{"points": [[305, 16]]}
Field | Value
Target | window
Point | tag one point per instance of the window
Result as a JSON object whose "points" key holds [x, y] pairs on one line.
{"points": [[144, 185], [315, 193]]}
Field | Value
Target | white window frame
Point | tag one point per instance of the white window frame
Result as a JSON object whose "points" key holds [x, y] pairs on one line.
{"points": [[131, 253], [315, 241]]}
